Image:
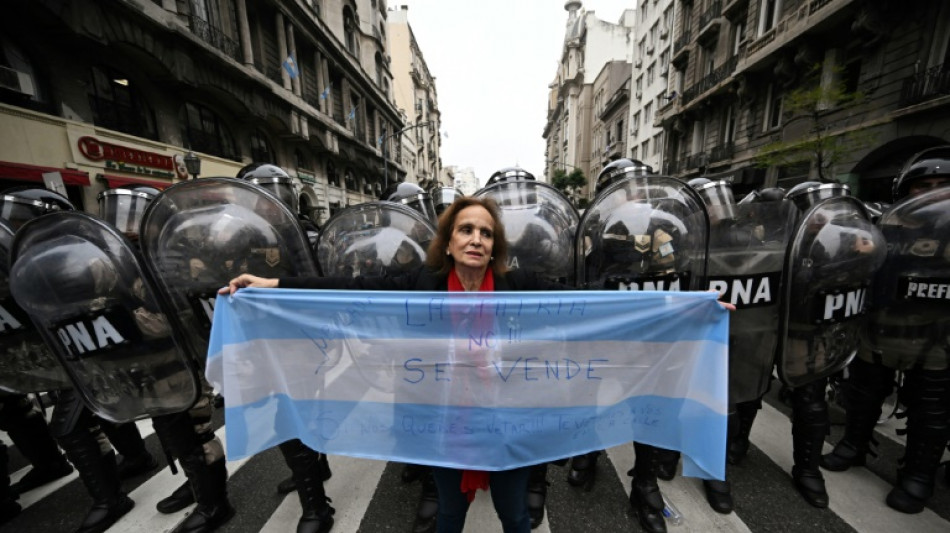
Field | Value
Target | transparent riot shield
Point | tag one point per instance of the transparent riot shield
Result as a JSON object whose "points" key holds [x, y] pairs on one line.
{"points": [[832, 257], [909, 325], [26, 363], [93, 302], [643, 233], [747, 245], [443, 198], [374, 239], [198, 235], [540, 224]]}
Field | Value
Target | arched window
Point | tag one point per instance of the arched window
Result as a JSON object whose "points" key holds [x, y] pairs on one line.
{"points": [[261, 151], [349, 30], [117, 104], [205, 132]]}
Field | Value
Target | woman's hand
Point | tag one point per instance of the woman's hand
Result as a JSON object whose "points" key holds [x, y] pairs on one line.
{"points": [[249, 280], [725, 305]]}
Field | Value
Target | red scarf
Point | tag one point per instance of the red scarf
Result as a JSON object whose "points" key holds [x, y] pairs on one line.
{"points": [[472, 480]]}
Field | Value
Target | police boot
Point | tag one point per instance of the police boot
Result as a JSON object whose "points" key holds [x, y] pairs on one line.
{"points": [[209, 483], [289, 485], [179, 499], [666, 463], [866, 389], [583, 470], [411, 472], [928, 428], [100, 475], [809, 427], [31, 436], [537, 493], [428, 508], [134, 458], [740, 430], [308, 475], [719, 495], [645, 496], [9, 507]]}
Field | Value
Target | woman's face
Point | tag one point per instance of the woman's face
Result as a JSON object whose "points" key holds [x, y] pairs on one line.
{"points": [[473, 235]]}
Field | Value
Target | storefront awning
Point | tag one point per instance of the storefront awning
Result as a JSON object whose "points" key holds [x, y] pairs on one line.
{"points": [[20, 171], [120, 181]]}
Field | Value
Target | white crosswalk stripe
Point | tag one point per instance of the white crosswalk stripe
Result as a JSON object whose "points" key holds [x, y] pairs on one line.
{"points": [[857, 496]]}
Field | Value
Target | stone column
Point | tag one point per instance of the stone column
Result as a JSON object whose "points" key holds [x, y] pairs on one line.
{"points": [[292, 45], [245, 30], [282, 50]]}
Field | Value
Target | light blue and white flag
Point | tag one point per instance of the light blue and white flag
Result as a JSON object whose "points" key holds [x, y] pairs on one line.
{"points": [[485, 381], [290, 65]]}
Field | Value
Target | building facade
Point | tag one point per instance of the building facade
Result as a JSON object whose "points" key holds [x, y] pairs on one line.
{"points": [[415, 95], [114, 92], [741, 68], [589, 44]]}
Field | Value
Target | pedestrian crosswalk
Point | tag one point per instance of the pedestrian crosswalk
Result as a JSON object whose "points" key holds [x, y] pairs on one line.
{"points": [[369, 497]]}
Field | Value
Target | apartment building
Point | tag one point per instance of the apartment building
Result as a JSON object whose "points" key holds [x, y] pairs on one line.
{"points": [[112, 92], [415, 95], [739, 65]]}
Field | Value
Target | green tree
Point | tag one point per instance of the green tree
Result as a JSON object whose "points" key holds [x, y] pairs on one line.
{"points": [[569, 184], [823, 142]]}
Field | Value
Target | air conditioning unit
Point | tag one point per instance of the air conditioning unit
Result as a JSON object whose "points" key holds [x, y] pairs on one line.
{"points": [[639, 63], [15, 80], [639, 94], [634, 131], [664, 33], [650, 49]]}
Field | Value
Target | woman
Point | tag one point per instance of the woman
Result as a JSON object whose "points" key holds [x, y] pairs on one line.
{"points": [[468, 253]]}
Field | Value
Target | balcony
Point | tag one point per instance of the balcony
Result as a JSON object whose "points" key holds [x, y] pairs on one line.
{"points": [[619, 97], [709, 23], [214, 37], [926, 85], [722, 152], [711, 81], [731, 9], [809, 15], [681, 47], [697, 160]]}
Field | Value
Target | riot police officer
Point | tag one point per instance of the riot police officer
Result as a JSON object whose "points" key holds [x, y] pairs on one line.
{"points": [[907, 332], [276, 181], [413, 196]]}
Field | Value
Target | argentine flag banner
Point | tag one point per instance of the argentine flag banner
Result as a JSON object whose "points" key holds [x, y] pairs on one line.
{"points": [[482, 381]]}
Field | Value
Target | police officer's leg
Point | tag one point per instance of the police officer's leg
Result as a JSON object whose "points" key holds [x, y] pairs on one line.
{"points": [[719, 493], [809, 426], [75, 428], [927, 397], [868, 385], [9, 507], [583, 470], [305, 467], [288, 485], [128, 442], [645, 496], [739, 441], [428, 509], [188, 437], [27, 428]]}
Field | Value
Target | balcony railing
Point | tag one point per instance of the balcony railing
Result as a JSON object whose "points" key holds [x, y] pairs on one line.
{"points": [[711, 80], [682, 41], [697, 160], [931, 83], [721, 152], [711, 13], [214, 37]]}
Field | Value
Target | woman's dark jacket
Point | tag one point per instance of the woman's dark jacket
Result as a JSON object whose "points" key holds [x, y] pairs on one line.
{"points": [[421, 279]]}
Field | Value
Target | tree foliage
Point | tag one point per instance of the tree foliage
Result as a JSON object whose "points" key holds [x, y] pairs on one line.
{"points": [[815, 102], [568, 183]]}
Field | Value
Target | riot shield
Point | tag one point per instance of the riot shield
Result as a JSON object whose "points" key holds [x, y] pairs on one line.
{"points": [[832, 256], [443, 198], [643, 233], [540, 224], [26, 363], [83, 286], [374, 239], [747, 244], [198, 235], [910, 297]]}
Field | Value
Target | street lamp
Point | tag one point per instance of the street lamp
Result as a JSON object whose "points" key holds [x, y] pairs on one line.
{"points": [[384, 138], [192, 164]]}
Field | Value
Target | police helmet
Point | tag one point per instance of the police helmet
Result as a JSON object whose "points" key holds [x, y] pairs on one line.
{"points": [[766, 194], [444, 197], [18, 205], [620, 169], [274, 179], [123, 207], [510, 174], [717, 195], [809, 193], [928, 164], [411, 195]]}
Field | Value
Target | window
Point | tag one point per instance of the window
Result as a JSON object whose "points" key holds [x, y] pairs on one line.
{"points": [[639, 85], [635, 123], [205, 132], [773, 110], [648, 114], [19, 75], [379, 69], [729, 125], [116, 104], [738, 37], [633, 152], [769, 11], [709, 60], [651, 73], [653, 33], [261, 151], [333, 178], [851, 76], [619, 129], [645, 148], [657, 143], [349, 30], [301, 160]]}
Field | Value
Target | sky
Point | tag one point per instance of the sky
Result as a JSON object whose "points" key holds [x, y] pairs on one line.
{"points": [[493, 61]]}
